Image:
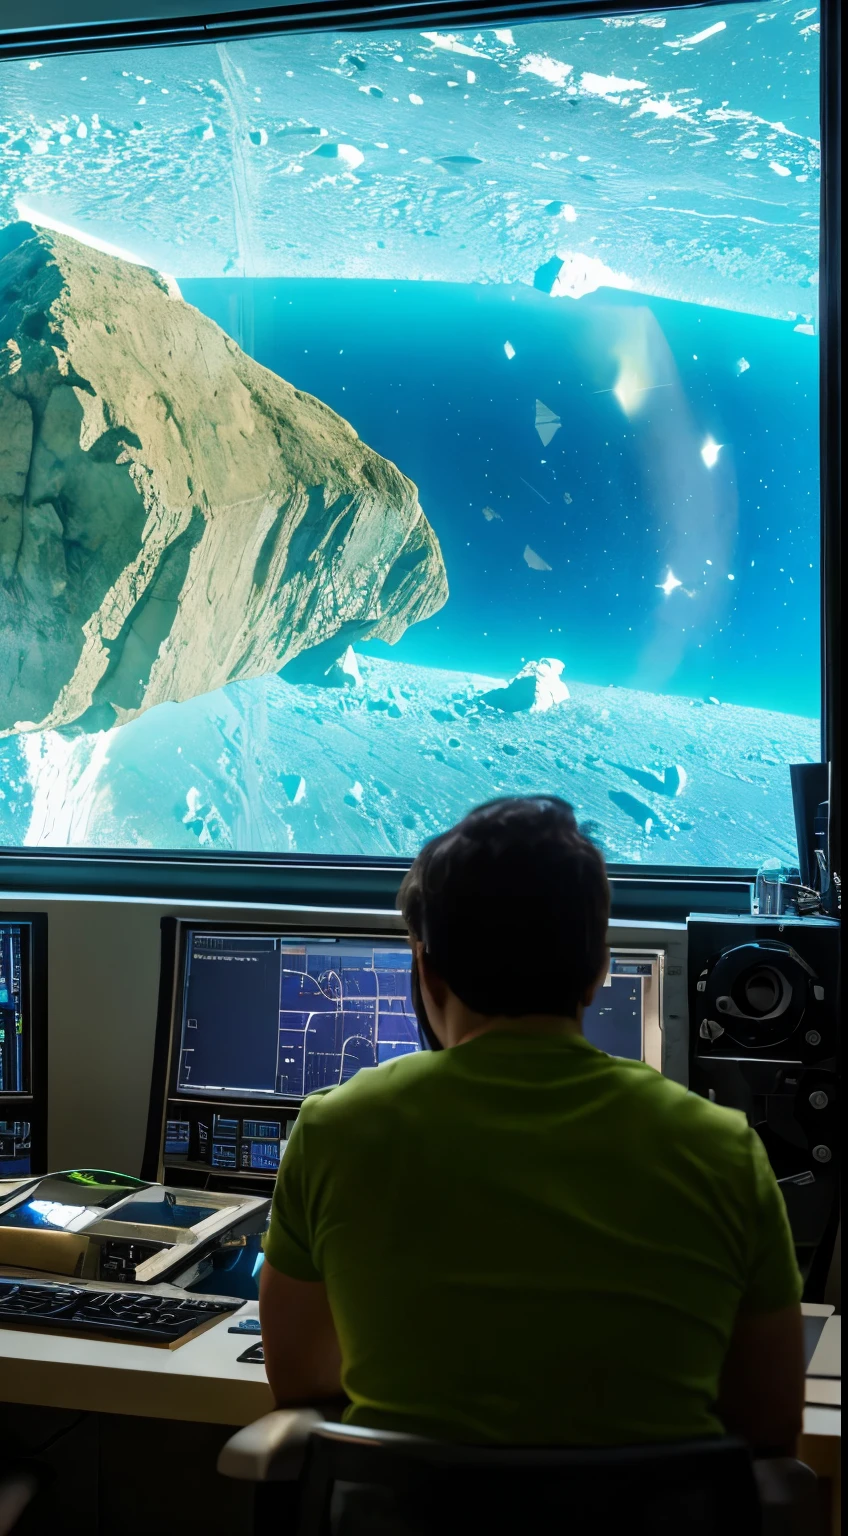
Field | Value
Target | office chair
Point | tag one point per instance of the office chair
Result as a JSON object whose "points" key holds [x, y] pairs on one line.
{"points": [[17, 1490], [396, 1483]]}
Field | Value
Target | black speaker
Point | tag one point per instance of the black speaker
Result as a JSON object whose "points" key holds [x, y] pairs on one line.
{"points": [[763, 1039]]}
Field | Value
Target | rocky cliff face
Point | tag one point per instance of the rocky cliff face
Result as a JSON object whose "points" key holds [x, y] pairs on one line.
{"points": [[173, 517]]}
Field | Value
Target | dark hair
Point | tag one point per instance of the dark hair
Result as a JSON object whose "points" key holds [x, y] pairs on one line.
{"points": [[512, 906]]}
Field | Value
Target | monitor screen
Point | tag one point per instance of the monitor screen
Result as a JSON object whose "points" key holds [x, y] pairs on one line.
{"points": [[408, 417], [267, 1016]]}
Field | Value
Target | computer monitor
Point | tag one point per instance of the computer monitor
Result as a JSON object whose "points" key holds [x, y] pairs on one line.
{"points": [[255, 1017], [23, 1045]]}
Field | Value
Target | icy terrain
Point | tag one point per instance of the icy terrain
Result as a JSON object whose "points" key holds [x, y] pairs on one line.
{"points": [[278, 767], [675, 154]]}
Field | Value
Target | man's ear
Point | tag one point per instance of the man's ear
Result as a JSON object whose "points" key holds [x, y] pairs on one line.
{"points": [[598, 982], [435, 984]]}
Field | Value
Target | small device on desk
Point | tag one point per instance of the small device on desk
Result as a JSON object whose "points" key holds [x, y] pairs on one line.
{"points": [[87, 1224], [254, 1018], [23, 1045]]}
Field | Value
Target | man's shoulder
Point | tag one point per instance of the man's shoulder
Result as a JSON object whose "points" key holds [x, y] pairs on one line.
{"points": [[685, 1119], [369, 1087]]}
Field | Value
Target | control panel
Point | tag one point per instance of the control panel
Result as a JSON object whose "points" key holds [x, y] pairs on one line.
{"points": [[234, 1142]]}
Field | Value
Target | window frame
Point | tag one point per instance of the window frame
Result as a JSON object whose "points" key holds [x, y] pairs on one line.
{"points": [[359, 881]]}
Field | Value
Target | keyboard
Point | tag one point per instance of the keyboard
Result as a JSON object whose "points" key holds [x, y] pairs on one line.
{"points": [[130, 1315]]}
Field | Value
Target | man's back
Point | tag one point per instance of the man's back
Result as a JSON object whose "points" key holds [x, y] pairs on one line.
{"points": [[528, 1240]]}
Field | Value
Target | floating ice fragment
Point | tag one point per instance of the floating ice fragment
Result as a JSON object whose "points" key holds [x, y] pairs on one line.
{"points": [[536, 688], [82, 131], [347, 153], [470, 77], [710, 452], [451, 44], [779, 170], [608, 85], [503, 35], [294, 786], [541, 64], [370, 90], [417, 101], [698, 37], [805, 330], [730, 576], [491, 515], [535, 562], [458, 165], [547, 423], [569, 214], [742, 365], [566, 498], [509, 349], [35, 64], [574, 275]]}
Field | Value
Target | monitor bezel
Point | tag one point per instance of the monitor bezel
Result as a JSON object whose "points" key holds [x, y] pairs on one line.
{"points": [[33, 1099], [132, 872]]}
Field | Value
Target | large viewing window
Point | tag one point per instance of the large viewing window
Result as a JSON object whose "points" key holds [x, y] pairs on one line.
{"points": [[396, 420]]}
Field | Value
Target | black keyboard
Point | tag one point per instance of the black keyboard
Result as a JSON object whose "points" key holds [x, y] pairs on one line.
{"points": [[132, 1315]]}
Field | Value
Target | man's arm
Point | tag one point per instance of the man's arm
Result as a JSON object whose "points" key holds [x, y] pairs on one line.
{"points": [[761, 1397], [302, 1355]]}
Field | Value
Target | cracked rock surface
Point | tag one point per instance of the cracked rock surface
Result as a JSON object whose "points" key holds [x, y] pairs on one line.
{"points": [[173, 517]]}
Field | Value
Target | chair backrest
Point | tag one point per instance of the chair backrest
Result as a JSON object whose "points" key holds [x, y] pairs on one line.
{"points": [[417, 1487]]}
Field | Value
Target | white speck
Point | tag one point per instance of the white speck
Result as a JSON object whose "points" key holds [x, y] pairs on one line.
{"points": [[670, 584], [583, 159], [142, 101], [82, 131], [509, 349], [569, 214], [417, 101], [730, 577], [470, 77], [779, 170], [742, 365], [35, 64], [710, 452]]}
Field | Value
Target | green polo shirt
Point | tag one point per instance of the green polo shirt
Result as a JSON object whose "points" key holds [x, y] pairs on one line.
{"points": [[526, 1240]]}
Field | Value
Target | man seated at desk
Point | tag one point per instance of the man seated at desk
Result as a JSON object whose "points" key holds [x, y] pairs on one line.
{"points": [[514, 1237]]}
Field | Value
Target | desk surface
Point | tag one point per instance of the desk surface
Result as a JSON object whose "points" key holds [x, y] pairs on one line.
{"points": [[202, 1380]]}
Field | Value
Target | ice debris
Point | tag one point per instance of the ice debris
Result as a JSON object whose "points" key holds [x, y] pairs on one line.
{"points": [[327, 665], [350, 156], [567, 498], [536, 688], [535, 562], [573, 274], [671, 782], [742, 365], [509, 350], [547, 422], [294, 787], [710, 452], [491, 515], [354, 794]]}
